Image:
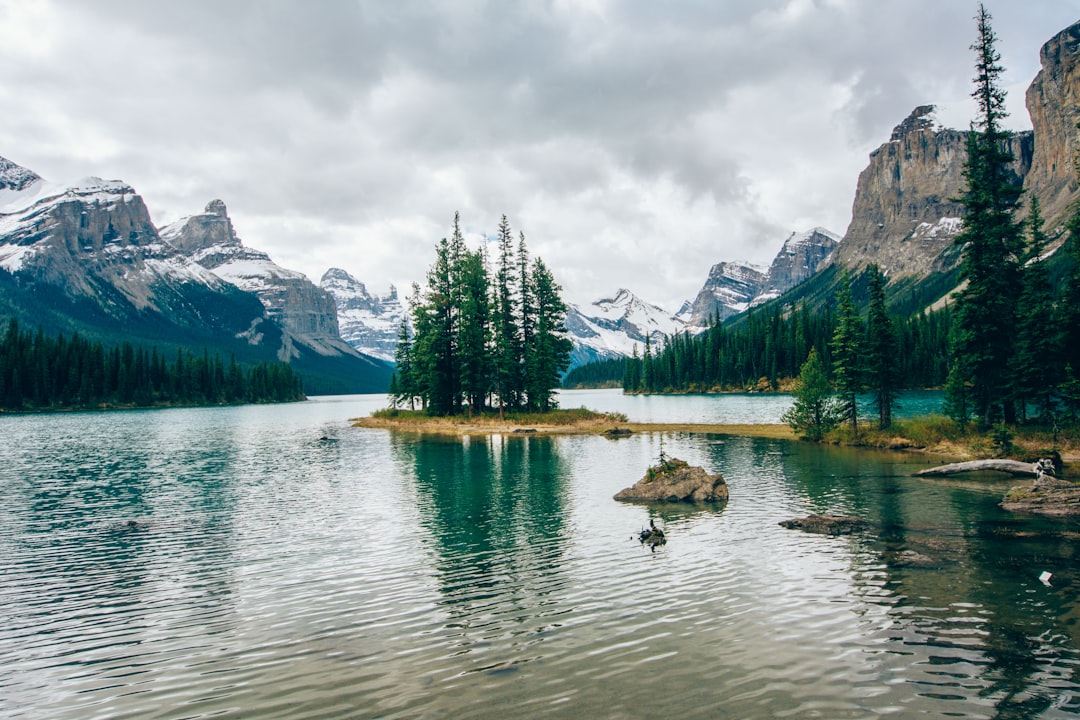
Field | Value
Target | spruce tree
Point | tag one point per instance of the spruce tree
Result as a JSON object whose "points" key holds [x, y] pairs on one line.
{"points": [[991, 241], [881, 343], [847, 351], [1038, 334], [815, 410], [405, 390], [475, 321], [506, 340], [548, 354]]}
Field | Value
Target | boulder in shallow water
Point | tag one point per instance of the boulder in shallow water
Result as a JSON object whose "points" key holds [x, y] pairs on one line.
{"points": [[674, 480], [1046, 497], [827, 524]]}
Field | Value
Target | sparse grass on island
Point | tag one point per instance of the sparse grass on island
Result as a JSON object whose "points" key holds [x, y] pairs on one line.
{"points": [[555, 422], [940, 435]]}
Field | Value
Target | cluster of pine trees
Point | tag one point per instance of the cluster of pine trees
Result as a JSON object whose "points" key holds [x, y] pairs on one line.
{"points": [[766, 349], [1015, 342], [482, 339], [39, 372]]}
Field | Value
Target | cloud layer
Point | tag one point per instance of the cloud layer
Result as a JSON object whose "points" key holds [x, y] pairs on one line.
{"points": [[635, 143]]}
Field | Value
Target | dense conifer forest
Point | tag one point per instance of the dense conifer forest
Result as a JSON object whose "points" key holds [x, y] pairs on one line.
{"points": [[38, 372], [483, 340], [764, 350]]}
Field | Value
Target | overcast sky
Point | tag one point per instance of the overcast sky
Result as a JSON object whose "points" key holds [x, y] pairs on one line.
{"points": [[635, 143]]}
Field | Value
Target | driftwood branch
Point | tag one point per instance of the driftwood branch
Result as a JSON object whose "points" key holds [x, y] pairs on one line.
{"points": [[1012, 467]]}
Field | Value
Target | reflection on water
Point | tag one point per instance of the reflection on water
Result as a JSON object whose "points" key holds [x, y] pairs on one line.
{"points": [[276, 563]]}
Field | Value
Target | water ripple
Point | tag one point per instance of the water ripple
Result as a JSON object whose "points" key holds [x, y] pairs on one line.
{"points": [[225, 563]]}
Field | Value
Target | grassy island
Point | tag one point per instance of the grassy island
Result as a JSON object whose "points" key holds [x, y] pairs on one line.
{"points": [[578, 421]]}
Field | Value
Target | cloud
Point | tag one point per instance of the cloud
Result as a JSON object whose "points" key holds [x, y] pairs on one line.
{"points": [[636, 143]]}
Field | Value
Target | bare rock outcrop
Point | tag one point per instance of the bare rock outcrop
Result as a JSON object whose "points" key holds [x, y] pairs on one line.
{"points": [[904, 217], [676, 481], [305, 311], [1045, 497], [1052, 104]]}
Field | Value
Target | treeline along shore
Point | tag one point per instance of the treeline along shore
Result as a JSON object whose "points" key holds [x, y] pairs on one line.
{"points": [[39, 372]]}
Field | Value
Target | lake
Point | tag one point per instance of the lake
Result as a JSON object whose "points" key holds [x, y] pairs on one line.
{"points": [[274, 562]]}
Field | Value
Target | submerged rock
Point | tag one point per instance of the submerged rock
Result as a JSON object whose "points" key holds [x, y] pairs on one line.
{"points": [[827, 524], [1045, 497], [676, 481]]}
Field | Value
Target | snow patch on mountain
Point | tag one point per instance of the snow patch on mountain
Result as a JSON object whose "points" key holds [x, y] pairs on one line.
{"points": [[370, 323], [611, 326]]}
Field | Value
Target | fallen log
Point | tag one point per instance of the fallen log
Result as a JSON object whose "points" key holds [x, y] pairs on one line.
{"points": [[1012, 467]]}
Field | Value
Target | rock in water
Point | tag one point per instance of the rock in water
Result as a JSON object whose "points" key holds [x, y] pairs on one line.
{"points": [[676, 481], [827, 524], [1048, 497]]}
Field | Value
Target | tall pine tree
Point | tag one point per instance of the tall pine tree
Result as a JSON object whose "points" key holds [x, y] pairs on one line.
{"points": [[549, 348], [881, 341], [847, 352], [1035, 368], [991, 239]]}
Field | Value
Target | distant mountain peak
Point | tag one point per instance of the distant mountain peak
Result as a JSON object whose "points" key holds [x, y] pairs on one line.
{"points": [[924, 117], [16, 177], [370, 323], [733, 287]]}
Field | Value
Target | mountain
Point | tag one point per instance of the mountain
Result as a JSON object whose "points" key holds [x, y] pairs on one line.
{"points": [[306, 313], [728, 290], [732, 288], [611, 326], [86, 257], [370, 323], [801, 255], [904, 217]]}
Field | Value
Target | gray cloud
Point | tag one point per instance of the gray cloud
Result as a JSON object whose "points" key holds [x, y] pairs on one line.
{"points": [[635, 142]]}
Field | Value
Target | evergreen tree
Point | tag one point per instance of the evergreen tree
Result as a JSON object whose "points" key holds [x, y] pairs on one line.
{"points": [[815, 410], [506, 339], [549, 353], [474, 331], [631, 381], [881, 339], [847, 351], [991, 242], [526, 305], [404, 390], [1038, 335], [1069, 307]]}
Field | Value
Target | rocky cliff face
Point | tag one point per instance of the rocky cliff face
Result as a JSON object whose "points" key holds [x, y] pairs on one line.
{"points": [[727, 291], [93, 242], [307, 313], [799, 258], [1053, 102], [370, 323], [732, 287], [903, 217]]}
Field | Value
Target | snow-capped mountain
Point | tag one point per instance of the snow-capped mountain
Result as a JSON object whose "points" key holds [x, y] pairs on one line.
{"points": [[370, 323], [306, 312], [728, 290], [92, 243], [85, 256], [733, 287], [611, 326], [800, 257]]}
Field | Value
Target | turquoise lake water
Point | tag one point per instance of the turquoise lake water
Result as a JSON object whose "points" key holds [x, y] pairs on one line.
{"points": [[274, 562]]}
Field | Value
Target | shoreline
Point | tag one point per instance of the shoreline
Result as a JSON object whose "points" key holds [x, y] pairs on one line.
{"points": [[601, 426]]}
